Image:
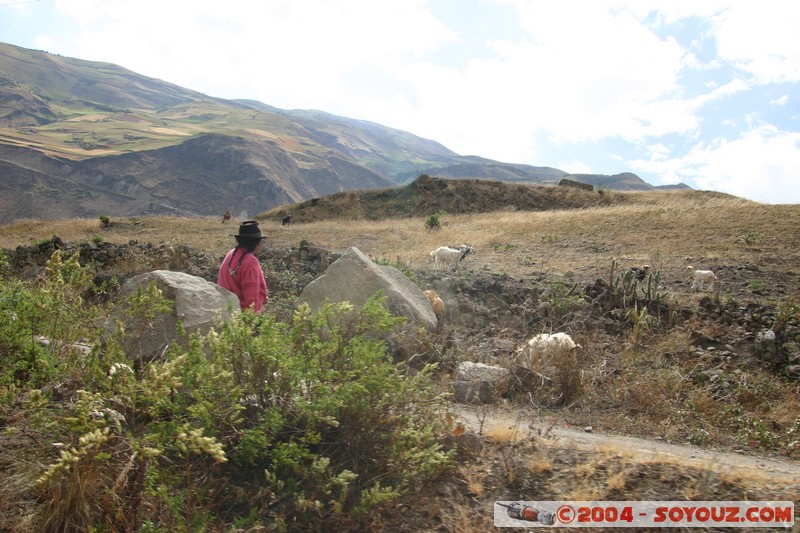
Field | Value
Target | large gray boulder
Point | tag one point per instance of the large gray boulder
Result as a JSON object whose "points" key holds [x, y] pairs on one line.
{"points": [[355, 278], [196, 303]]}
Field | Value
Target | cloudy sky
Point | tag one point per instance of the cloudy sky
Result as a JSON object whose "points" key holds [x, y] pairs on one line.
{"points": [[704, 92]]}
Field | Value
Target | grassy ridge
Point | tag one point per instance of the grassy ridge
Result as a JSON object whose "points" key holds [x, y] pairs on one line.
{"points": [[427, 195], [666, 229]]}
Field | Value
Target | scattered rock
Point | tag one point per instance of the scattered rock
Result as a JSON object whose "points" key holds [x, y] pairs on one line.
{"points": [[480, 383], [355, 278], [767, 347], [196, 304]]}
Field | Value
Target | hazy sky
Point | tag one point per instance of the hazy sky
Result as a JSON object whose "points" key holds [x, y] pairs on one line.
{"points": [[705, 92]]}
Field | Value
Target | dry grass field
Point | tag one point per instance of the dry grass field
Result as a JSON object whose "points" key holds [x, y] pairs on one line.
{"points": [[668, 230], [656, 388]]}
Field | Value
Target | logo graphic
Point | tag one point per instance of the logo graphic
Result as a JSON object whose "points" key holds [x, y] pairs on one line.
{"points": [[518, 511], [650, 513]]}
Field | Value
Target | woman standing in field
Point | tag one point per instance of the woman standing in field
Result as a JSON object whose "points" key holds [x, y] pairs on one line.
{"points": [[240, 271]]}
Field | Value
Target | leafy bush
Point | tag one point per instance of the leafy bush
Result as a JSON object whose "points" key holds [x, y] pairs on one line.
{"points": [[335, 424], [25, 360], [434, 222], [503, 246], [565, 302], [752, 237], [260, 423], [41, 324]]}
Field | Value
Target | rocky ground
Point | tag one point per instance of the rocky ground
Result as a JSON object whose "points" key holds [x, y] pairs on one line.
{"points": [[533, 448], [488, 315]]}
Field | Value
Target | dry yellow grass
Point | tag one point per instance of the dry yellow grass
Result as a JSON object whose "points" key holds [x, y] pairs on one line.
{"points": [[540, 463], [666, 230], [474, 478], [503, 433]]}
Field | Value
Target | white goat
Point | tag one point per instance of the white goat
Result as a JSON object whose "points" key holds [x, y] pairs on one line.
{"points": [[450, 257], [544, 348], [702, 278]]}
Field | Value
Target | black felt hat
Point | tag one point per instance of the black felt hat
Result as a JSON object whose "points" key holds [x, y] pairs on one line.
{"points": [[249, 230]]}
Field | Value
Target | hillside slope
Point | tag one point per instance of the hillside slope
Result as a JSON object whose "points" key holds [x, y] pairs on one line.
{"points": [[136, 145], [429, 195]]}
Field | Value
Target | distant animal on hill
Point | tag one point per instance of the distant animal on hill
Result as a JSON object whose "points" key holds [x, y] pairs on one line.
{"points": [[286, 220], [449, 256], [702, 278], [226, 217]]}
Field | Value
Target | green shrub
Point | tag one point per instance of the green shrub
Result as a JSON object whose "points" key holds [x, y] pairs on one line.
{"points": [[752, 237], [40, 323], [260, 423], [5, 266], [565, 301], [503, 246], [25, 360], [338, 426], [434, 222]]}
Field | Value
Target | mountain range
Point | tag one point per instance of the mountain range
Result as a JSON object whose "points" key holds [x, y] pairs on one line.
{"points": [[85, 139]]}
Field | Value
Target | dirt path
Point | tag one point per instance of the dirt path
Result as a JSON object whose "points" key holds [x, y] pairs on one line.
{"points": [[520, 425]]}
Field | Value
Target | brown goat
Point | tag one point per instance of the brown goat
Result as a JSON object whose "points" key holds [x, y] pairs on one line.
{"points": [[436, 303]]}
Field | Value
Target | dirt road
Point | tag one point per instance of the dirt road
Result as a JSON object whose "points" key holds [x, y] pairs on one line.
{"points": [[521, 425]]}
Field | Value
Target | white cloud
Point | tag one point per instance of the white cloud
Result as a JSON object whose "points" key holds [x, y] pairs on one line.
{"points": [[576, 166], [781, 101], [763, 165], [658, 152], [761, 39], [596, 72], [285, 53], [44, 42], [577, 77], [734, 86]]}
